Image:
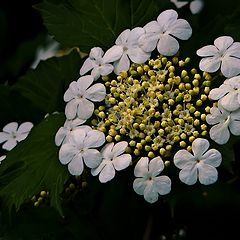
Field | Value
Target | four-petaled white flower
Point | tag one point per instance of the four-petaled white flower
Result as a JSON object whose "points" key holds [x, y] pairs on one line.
{"points": [[64, 132], [148, 183], [80, 95], [113, 159], [229, 93], [98, 63], [81, 148], [201, 165], [2, 158], [224, 121], [12, 134], [224, 53], [161, 33], [127, 47], [195, 6]]}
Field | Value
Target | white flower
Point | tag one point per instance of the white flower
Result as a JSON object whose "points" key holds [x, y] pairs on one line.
{"points": [[229, 93], [64, 132], [195, 6], [160, 33], [113, 159], [12, 134], [127, 47], [2, 158], [147, 183], [81, 148], [80, 97], [224, 121], [224, 53], [98, 63], [201, 165]]}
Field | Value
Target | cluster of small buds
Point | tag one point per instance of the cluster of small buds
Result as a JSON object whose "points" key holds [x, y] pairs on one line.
{"points": [[157, 105], [40, 198], [75, 184]]}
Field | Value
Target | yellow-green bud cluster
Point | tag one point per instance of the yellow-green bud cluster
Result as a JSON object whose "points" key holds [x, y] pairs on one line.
{"points": [[155, 107], [40, 198]]}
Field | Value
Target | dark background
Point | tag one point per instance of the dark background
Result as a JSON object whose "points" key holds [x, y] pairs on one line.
{"points": [[207, 214]]}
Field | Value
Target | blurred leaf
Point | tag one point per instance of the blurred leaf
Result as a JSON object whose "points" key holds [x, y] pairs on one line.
{"points": [[15, 107], [89, 23], [33, 165], [45, 85]]}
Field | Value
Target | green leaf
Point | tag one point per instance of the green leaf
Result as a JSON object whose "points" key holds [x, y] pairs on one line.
{"points": [[89, 23], [33, 165], [45, 85]]}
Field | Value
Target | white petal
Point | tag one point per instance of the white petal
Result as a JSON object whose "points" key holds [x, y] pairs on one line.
{"points": [[85, 109], [96, 53], [234, 127], [207, 174], [94, 139], [10, 144], [167, 45], [96, 93], [212, 157], [180, 29], [179, 4], [150, 195], [141, 168], [219, 133], [162, 185], [76, 138], [11, 127], [71, 92], [84, 83], [75, 167], [134, 36], [218, 93], [97, 170], [106, 69], [123, 37], [137, 55], [67, 153], [148, 41], [207, 51], [119, 148], [25, 127], [230, 101], [87, 66], [92, 158], [167, 18], [4, 137], [234, 50], [210, 64], [113, 54], [139, 185], [183, 157], [22, 136], [223, 43], [196, 6], [230, 66], [199, 147], [107, 151], [60, 136], [71, 109], [152, 27], [122, 64], [188, 175], [107, 173], [156, 166], [96, 72], [214, 117], [2, 158], [122, 162]]}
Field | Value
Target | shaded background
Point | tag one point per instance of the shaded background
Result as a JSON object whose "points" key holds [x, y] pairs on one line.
{"points": [[198, 213]]}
